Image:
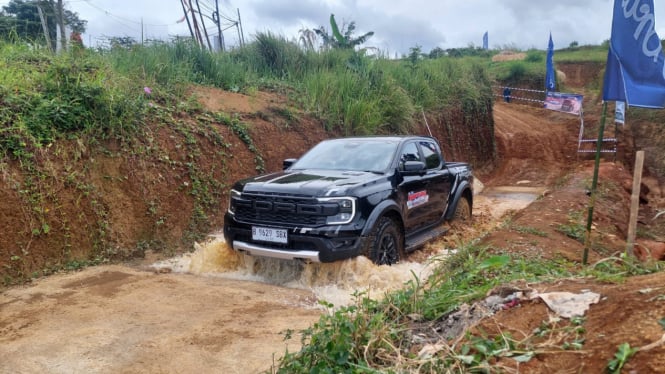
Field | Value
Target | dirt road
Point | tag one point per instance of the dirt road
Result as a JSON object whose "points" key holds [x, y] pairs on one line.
{"points": [[116, 319]]}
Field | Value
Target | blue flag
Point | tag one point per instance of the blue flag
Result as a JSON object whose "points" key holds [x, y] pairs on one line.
{"points": [[486, 44], [550, 74], [635, 71]]}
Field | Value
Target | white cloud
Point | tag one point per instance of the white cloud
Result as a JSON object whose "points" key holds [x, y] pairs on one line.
{"points": [[398, 24]]}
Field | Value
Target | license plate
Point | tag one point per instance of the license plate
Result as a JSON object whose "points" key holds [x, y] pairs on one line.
{"points": [[267, 234]]}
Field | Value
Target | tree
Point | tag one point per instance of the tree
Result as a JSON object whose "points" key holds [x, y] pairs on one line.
{"points": [[21, 17], [437, 52], [415, 55], [341, 39]]}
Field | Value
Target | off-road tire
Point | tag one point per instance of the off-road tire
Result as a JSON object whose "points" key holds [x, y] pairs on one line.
{"points": [[385, 244], [463, 211]]}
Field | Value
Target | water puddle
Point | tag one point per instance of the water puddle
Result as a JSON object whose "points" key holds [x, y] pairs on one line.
{"points": [[502, 199]]}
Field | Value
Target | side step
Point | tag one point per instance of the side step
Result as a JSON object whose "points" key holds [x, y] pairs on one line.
{"points": [[421, 238]]}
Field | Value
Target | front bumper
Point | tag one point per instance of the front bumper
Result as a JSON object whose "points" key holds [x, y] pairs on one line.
{"points": [[323, 244], [263, 251]]}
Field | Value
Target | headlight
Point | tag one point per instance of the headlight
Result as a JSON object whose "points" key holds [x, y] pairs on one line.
{"points": [[346, 210], [233, 194]]}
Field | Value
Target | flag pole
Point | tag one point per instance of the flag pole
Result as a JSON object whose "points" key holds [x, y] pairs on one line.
{"points": [[594, 184]]}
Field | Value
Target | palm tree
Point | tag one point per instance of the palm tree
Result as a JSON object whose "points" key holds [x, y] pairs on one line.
{"points": [[344, 39]]}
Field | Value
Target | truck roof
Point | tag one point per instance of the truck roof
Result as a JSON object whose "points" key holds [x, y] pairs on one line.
{"points": [[396, 138]]}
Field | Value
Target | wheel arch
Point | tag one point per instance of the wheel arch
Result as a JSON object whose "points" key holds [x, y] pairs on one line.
{"points": [[387, 208]]}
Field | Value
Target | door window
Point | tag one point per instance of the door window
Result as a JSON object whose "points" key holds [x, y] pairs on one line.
{"points": [[410, 153], [431, 153]]}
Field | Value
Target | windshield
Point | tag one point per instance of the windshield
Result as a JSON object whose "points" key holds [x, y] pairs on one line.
{"points": [[349, 154]]}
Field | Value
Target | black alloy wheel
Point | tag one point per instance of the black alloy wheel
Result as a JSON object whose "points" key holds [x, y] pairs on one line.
{"points": [[385, 243]]}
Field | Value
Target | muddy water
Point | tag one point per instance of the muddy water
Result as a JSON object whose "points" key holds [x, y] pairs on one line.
{"points": [[498, 201], [335, 282]]}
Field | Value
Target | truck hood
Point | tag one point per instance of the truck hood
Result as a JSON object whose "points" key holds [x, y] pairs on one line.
{"points": [[309, 182]]}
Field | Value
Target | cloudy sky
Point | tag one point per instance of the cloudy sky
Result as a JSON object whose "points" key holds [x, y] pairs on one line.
{"points": [[398, 24]]}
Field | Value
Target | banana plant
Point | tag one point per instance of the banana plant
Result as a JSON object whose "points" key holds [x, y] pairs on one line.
{"points": [[341, 39]]}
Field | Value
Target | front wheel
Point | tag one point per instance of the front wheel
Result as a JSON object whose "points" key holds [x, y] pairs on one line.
{"points": [[385, 243]]}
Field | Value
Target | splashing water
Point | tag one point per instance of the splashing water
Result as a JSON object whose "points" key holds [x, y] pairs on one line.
{"points": [[335, 282]]}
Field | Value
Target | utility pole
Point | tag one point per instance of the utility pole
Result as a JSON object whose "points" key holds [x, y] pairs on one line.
{"points": [[220, 36], [199, 39], [203, 25], [60, 13], [184, 10], [45, 27], [241, 35]]}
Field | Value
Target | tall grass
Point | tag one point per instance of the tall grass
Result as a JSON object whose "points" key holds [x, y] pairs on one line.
{"points": [[46, 95], [351, 92]]}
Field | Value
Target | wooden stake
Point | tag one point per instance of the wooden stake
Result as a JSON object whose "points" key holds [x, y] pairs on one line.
{"points": [[634, 202]]}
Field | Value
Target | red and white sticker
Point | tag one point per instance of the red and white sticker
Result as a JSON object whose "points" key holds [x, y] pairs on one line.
{"points": [[417, 198]]}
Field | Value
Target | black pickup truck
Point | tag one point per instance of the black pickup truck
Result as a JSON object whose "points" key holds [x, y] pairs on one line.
{"points": [[380, 197]]}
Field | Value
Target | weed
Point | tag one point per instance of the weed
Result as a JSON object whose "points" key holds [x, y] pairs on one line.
{"points": [[529, 230], [575, 228], [623, 353]]}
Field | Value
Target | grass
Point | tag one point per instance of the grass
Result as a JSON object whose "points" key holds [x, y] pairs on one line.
{"points": [[376, 336], [589, 53]]}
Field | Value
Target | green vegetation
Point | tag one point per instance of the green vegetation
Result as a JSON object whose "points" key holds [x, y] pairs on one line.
{"points": [[102, 92], [587, 53], [376, 336], [575, 227], [342, 39], [624, 352]]}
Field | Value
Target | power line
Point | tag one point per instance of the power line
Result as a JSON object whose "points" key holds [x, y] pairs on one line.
{"points": [[120, 18]]}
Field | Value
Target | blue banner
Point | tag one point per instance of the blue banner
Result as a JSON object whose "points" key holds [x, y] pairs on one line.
{"points": [[635, 71], [550, 75], [486, 41]]}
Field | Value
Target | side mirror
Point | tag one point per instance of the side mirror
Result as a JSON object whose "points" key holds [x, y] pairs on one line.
{"points": [[288, 163], [413, 168]]}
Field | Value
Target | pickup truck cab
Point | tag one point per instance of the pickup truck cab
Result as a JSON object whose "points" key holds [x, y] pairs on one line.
{"points": [[380, 197]]}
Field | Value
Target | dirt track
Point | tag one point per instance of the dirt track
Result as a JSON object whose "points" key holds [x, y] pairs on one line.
{"points": [[115, 319]]}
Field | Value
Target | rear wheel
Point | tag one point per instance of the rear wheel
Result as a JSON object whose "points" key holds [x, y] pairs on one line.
{"points": [[463, 211], [385, 243]]}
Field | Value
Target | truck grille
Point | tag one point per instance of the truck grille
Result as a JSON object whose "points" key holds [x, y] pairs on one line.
{"points": [[284, 210]]}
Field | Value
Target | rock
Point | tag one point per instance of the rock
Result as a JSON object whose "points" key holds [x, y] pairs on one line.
{"points": [[646, 250]]}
